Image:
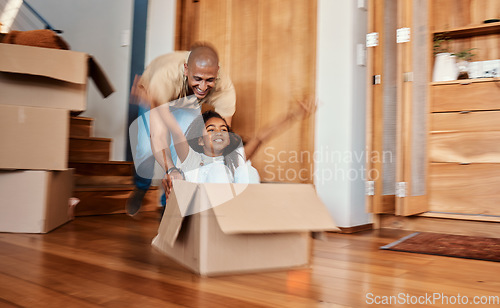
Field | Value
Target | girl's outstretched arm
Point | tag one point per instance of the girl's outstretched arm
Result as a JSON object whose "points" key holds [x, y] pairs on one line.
{"points": [[301, 111]]}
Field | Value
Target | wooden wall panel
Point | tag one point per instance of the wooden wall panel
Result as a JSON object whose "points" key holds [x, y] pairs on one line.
{"points": [[269, 49], [287, 47], [245, 65], [186, 23], [453, 191]]}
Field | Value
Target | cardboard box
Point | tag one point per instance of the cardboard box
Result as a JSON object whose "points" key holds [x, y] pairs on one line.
{"points": [[45, 77], [33, 138], [237, 228], [34, 201]]}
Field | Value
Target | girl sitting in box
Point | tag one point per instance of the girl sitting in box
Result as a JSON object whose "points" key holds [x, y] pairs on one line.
{"points": [[211, 153]]}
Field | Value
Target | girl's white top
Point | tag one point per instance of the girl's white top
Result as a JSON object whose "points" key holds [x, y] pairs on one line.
{"points": [[200, 168]]}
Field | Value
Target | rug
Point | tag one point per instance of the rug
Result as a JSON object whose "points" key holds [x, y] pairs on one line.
{"points": [[468, 247]]}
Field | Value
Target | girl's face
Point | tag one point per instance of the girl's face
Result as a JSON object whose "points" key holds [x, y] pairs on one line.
{"points": [[215, 138]]}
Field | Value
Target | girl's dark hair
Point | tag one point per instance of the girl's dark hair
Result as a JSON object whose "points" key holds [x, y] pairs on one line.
{"points": [[195, 131]]}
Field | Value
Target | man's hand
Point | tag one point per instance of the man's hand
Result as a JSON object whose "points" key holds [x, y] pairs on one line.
{"points": [[167, 183]]}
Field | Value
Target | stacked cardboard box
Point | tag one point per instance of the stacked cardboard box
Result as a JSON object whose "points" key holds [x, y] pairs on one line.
{"points": [[38, 89]]}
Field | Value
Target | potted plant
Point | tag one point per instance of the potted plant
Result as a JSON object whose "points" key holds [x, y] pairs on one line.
{"points": [[464, 57], [438, 41], [445, 67], [443, 70]]}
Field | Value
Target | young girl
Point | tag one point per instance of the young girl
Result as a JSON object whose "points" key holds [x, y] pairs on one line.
{"points": [[210, 152]]}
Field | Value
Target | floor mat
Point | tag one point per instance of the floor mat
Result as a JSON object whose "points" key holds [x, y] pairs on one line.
{"points": [[469, 247]]}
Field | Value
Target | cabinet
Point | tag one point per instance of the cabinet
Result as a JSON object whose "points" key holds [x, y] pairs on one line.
{"points": [[464, 148], [461, 129], [397, 107], [464, 130]]}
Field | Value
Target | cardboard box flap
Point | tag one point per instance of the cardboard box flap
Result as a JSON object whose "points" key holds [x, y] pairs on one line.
{"points": [[69, 66], [269, 208], [180, 201], [100, 79]]}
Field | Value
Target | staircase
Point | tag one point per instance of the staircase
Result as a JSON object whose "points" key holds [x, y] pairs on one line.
{"points": [[103, 186]]}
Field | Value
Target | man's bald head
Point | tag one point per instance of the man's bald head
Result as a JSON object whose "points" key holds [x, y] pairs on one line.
{"points": [[201, 70], [203, 55]]}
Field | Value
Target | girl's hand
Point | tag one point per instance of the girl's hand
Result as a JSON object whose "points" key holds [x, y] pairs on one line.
{"points": [[303, 109]]}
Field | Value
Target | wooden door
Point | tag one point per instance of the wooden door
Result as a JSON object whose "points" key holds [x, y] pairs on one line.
{"points": [[397, 107], [381, 107], [269, 49], [413, 79]]}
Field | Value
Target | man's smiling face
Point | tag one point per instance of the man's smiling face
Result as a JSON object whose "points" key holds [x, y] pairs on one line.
{"points": [[201, 79]]}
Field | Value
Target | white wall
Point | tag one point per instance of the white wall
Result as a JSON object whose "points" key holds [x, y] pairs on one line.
{"points": [[96, 27], [340, 120], [161, 28], [99, 28]]}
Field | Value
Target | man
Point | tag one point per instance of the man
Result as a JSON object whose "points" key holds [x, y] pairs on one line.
{"points": [[185, 81]]}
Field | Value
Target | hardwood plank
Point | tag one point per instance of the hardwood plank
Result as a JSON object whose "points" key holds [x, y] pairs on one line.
{"points": [[13, 292], [107, 261]]}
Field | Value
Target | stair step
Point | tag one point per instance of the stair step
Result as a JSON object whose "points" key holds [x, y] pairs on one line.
{"points": [[89, 149], [93, 180], [81, 127], [100, 200], [103, 173], [119, 168]]}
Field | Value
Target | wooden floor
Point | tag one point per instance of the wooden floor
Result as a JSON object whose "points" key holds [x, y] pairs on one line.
{"points": [[107, 261]]}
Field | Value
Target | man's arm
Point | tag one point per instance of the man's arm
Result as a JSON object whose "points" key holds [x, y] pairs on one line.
{"points": [[163, 125], [160, 141]]}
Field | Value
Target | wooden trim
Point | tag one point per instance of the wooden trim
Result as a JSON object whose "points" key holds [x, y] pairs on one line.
{"points": [[465, 81], [489, 218], [116, 187], [475, 30], [92, 139], [369, 98], [440, 225], [355, 229], [403, 124]]}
